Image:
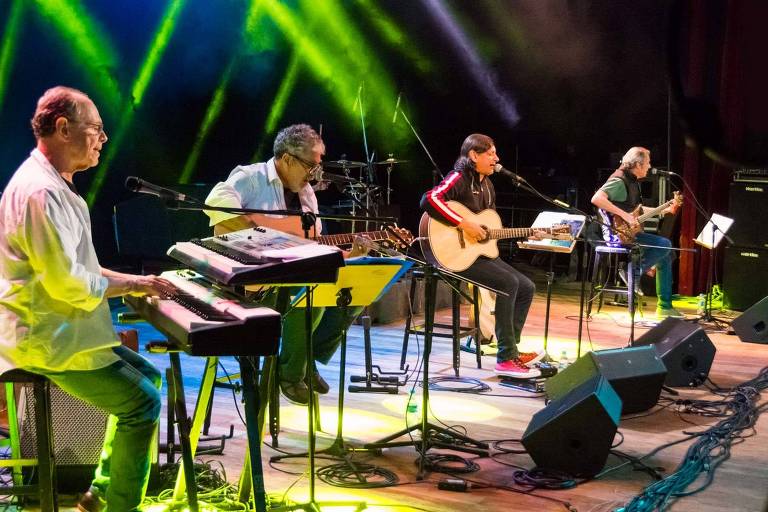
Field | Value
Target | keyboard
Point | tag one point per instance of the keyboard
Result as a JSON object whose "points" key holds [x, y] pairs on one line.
{"points": [[259, 255], [203, 320]]}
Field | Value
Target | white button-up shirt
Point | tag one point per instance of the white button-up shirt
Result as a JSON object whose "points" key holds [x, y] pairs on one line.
{"points": [[53, 314], [259, 187]]}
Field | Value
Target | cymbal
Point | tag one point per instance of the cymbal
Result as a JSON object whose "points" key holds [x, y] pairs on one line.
{"points": [[390, 161], [343, 164]]}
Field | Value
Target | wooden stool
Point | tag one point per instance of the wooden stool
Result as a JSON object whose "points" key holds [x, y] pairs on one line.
{"points": [[45, 489], [456, 331]]}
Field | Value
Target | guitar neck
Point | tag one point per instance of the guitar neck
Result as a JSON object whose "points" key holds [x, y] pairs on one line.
{"points": [[499, 234], [647, 215], [349, 238]]}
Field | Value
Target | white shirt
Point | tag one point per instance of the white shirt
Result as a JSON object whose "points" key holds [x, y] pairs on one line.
{"points": [[53, 315], [259, 187]]}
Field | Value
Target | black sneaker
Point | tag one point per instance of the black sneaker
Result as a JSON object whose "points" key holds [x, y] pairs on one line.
{"points": [[91, 502], [295, 392], [319, 384]]}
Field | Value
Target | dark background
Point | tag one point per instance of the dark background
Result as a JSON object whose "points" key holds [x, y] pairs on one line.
{"points": [[564, 88]]}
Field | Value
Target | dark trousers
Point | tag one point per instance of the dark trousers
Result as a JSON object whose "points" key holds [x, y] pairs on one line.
{"points": [[512, 310], [327, 329]]}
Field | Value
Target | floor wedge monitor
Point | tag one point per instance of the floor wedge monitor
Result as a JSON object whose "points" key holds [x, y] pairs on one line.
{"points": [[685, 348], [574, 433], [752, 325], [636, 373]]}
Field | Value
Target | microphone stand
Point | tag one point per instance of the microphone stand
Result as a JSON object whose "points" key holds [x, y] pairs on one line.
{"points": [[437, 174], [707, 314]]}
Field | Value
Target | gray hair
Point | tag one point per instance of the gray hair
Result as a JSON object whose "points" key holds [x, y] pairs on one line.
{"points": [[56, 102], [297, 139], [634, 157]]}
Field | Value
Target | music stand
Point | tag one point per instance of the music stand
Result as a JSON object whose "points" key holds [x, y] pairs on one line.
{"points": [[553, 246], [711, 235], [469, 445], [362, 282]]}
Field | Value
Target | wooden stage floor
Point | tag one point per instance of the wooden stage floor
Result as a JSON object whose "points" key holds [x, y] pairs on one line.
{"points": [[740, 483]]}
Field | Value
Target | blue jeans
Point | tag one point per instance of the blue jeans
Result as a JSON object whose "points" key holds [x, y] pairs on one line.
{"points": [[512, 310], [129, 390], [662, 258]]}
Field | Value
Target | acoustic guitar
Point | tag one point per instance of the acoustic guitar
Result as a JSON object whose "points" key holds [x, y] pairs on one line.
{"points": [[445, 245]]}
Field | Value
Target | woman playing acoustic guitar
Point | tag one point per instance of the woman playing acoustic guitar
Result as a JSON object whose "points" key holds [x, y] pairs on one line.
{"points": [[469, 185]]}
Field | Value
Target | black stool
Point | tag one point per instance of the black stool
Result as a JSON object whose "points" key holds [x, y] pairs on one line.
{"points": [[456, 330], [46, 486], [605, 275]]}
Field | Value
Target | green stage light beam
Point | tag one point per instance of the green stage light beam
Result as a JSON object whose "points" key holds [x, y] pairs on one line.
{"points": [[140, 85], [88, 44], [278, 104], [159, 45], [254, 39], [316, 56], [350, 45], [391, 33], [211, 115], [8, 49]]}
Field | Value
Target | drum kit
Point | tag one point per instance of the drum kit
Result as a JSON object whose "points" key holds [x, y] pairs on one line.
{"points": [[362, 190]]}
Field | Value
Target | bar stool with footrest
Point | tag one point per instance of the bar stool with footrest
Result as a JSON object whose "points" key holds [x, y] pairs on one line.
{"points": [[455, 331], [45, 488]]}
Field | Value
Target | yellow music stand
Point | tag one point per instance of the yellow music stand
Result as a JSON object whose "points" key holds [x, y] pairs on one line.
{"points": [[361, 282], [367, 278]]}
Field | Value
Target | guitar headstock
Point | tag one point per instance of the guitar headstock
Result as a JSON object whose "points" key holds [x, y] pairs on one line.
{"points": [[676, 202], [399, 238]]}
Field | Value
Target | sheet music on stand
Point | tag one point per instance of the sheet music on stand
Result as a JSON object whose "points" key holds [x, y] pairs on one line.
{"points": [[549, 219], [707, 236]]}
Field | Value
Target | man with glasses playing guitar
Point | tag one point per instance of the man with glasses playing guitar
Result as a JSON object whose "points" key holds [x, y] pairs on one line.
{"points": [[276, 185], [464, 192], [621, 205]]}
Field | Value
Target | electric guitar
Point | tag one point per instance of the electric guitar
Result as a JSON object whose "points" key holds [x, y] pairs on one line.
{"points": [[627, 233], [445, 245]]}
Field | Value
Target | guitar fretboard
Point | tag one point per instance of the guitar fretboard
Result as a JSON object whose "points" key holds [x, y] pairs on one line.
{"points": [[349, 238], [498, 234]]}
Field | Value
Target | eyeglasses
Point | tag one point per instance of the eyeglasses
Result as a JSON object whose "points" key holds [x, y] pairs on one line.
{"points": [[99, 127], [312, 168]]}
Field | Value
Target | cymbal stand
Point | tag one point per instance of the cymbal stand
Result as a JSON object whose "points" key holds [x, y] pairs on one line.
{"points": [[390, 166], [437, 174], [429, 431]]}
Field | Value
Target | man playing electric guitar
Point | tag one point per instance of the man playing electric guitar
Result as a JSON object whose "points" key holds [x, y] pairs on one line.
{"points": [[620, 196], [468, 185]]}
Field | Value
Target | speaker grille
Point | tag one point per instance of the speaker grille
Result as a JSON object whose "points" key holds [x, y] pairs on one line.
{"points": [[78, 428]]}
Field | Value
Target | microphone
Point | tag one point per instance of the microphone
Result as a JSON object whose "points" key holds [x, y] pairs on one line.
{"points": [[499, 169], [662, 173], [397, 107], [321, 175], [135, 184]]}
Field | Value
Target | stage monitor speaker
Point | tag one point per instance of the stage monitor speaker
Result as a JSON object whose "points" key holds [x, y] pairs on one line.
{"points": [[78, 435], [748, 206], [751, 326], [636, 374], [745, 277], [685, 348], [574, 433]]}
